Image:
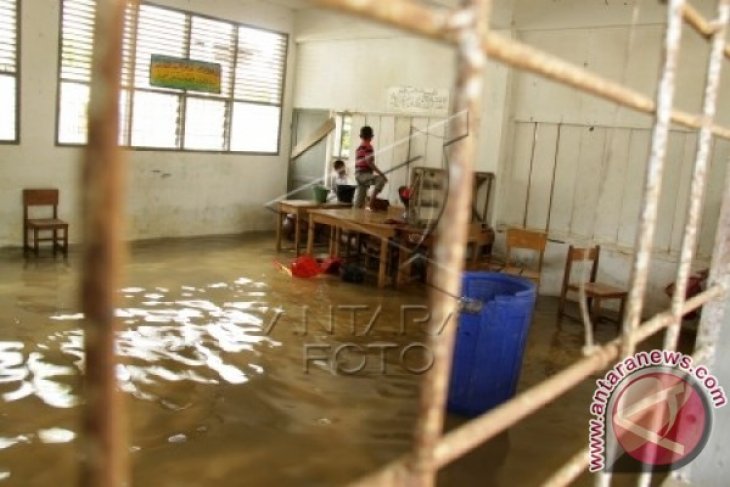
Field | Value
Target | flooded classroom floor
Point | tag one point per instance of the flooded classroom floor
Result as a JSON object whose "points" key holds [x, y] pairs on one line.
{"points": [[226, 371]]}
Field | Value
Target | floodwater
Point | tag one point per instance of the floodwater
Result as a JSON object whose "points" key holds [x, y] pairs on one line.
{"points": [[226, 366]]}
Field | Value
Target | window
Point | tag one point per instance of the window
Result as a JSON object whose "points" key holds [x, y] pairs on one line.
{"points": [[244, 116], [9, 71], [343, 136]]}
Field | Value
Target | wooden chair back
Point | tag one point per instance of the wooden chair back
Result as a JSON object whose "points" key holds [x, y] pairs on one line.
{"points": [[40, 197], [518, 238], [582, 254]]}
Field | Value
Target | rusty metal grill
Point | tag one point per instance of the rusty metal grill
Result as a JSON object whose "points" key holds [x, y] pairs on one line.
{"points": [[466, 28]]}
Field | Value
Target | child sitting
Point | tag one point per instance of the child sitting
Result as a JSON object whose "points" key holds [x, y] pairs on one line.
{"points": [[337, 177]]}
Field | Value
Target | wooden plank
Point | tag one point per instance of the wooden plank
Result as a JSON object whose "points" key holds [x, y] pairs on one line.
{"points": [[374, 122], [358, 121], [385, 155], [565, 179], [608, 215], [435, 143], [541, 180], [588, 180], [514, 190], [633, 186], [313, 139], [713, 198], [682, 198], [418, 139], [670, 186]]}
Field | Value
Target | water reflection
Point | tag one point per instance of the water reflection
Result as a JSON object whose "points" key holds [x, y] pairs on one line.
{"points": [[167, 337]]}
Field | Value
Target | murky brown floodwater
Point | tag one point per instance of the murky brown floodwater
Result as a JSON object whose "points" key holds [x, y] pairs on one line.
{"points": [[214, 399]]}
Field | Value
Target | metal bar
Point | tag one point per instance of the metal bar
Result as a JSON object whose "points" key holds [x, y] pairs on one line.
{"points": [[415, 18], [652, 191], [570, 471], [105, 454], [699, 175], [470, 25], [468, 436], [713, 313], [514, 54], [407, 15], [654, 171], [457, 442], [697, 21], [578, 463], [529, 176]]}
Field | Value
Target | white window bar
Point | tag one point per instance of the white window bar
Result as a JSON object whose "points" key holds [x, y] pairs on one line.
{"points": [[105, 459], [467, 29], [414, 17]]}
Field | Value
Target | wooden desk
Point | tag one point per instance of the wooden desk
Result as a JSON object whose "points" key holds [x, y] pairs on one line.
{"points": [[479, 236], [356, 220], [373, 223], [299, 209]]}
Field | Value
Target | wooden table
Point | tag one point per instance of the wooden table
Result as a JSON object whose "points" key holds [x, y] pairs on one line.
{"points": [[299, 209], [374, 224], [357, 220]]}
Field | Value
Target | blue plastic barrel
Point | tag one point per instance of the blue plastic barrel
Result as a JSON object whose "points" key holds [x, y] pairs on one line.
{"points": [[490, 341]]}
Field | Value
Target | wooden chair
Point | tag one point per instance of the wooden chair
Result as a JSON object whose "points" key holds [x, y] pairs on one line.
{"points": [[480, 238], [43, 197], [520, 239], [595, 292]]}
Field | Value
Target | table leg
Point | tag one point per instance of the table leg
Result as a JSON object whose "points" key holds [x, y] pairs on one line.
{"points": [[310, 236], [297, 231], [404, 266], [383, 262], [338, 238], [279, 221], [332, 240]]}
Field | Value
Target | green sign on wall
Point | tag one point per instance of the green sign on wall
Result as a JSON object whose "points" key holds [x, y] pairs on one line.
{"points": [[185, 74]]}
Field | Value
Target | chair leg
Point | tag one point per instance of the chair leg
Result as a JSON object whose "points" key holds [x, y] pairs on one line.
{"points": [[65, 242], [55, 241], [25, 240], [35, 241], [596, 310], [561, 305]]}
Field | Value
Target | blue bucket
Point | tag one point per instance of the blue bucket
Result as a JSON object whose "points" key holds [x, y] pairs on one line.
{"points": [[490, 341]]}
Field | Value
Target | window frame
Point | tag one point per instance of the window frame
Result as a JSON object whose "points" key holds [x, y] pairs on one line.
{"points": [[18, 37], [339, 136], [182, 94]]}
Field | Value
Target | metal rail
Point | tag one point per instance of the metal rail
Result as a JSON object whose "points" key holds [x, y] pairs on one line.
{"points": [[423, 21], [470, 435], [469, 25], [466, 28], [105, 450], [418, 19]]}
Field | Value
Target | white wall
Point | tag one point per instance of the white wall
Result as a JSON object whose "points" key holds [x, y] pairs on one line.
{"points": [[585, 185], [346, 64], [170, 193]]}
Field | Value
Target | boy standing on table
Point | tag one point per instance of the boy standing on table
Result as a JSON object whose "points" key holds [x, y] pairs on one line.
{"points": [[366, 172]]}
